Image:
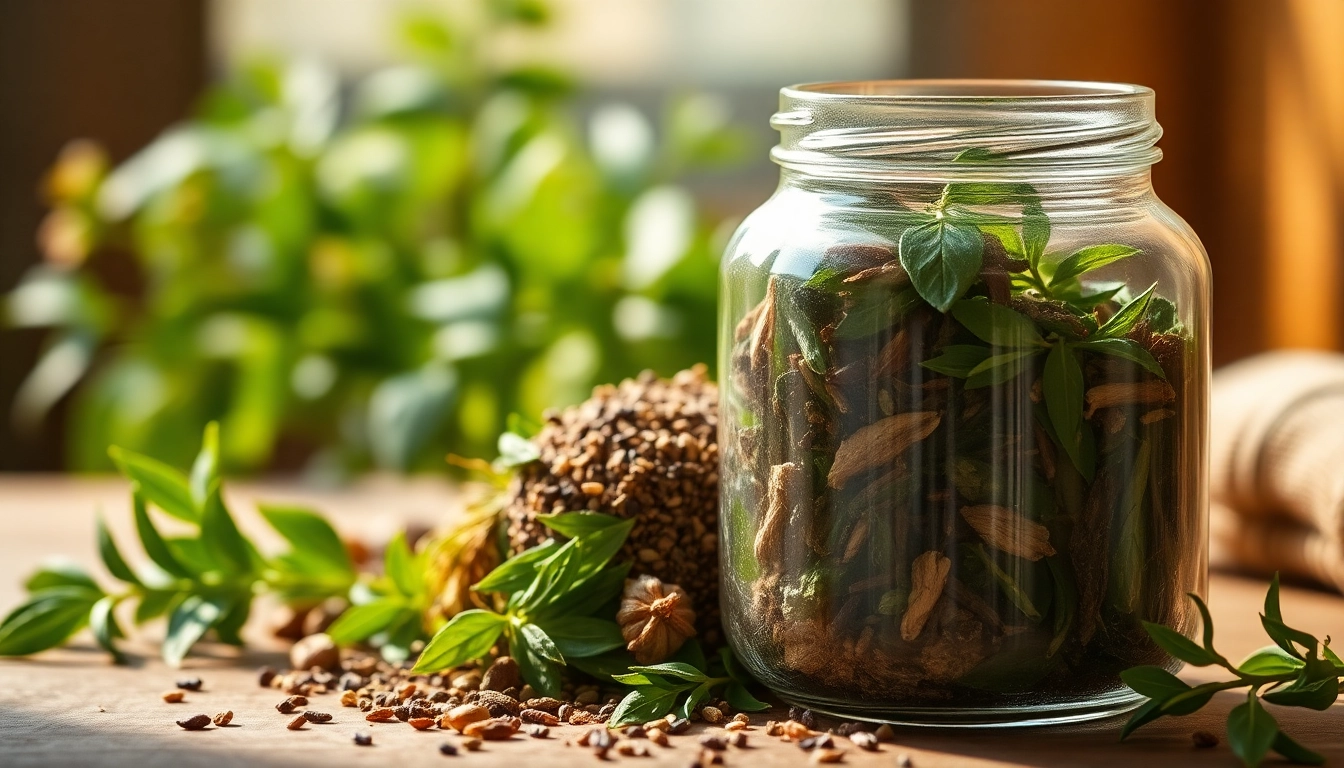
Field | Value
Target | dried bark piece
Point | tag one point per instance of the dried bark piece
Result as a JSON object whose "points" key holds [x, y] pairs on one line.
{"points": [[1008, 531], [857, 537], [763, 334], [1128, 393], [890, 273], [655, 618], [1154, 416], [770, 534], [879, 443], [928, 576]]}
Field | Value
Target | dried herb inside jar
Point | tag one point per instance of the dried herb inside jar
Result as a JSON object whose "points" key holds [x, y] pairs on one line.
{"points": [[965, 459]]}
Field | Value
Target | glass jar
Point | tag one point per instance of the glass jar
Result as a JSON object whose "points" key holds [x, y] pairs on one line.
{"points": [[966, 362]]}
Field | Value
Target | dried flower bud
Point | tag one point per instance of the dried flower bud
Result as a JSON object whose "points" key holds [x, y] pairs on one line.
{"points": [[655, 618]]}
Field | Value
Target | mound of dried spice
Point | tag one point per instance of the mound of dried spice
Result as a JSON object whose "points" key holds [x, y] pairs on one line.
{"points": [[644, 449], [955, 464]]}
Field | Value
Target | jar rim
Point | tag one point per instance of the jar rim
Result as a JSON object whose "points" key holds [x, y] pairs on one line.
{"points": [[964, 89]]}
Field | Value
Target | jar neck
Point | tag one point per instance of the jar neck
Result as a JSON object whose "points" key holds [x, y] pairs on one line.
{"points": [[1067, 139]]}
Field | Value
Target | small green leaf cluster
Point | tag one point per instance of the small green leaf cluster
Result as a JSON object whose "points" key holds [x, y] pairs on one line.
{"points": [[389, 613], [1297, 671], [658, 687], [203, 579], [560, 597]]}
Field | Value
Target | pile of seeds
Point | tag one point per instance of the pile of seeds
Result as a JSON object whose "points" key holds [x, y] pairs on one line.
{"points": [[644, 449]]}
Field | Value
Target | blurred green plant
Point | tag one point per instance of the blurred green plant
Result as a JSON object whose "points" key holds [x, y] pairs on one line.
{"points": [[372, 275]]}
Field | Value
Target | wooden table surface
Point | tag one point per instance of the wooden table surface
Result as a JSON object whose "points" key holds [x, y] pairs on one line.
{"points": [[71, 707]]}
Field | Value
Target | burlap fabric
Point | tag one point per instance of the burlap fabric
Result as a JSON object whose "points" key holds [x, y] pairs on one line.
{"points": [[1277, 466]]}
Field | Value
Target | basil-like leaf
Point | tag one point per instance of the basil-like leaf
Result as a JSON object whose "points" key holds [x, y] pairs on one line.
{"points": [[1123, 322], [220, 534], [643, 704], [160, 484], [576, 524], [1319, 695], [518, 571], [106, 631], [1189, 701], [45, 620], [591, 593], [1251, 731], [1062, 387], [1286, 636], [1092, 257], [1153, 682], [999, 368], [1126, 349], [153, 543], [997, 325], [541, 673], [111, 556], [693, 699], [1270, 660], [1296, 753], [679, 670], [399, 564], [741, 699], [206, 468], [943, 260], [958, 360], [189, 624], [1145, 714], [154, 603], [61, 573], [360, 622], [582, 636], [541, 643], [1179, 645], [468, 635], [229, 627], [516, 450], [310, 535]]}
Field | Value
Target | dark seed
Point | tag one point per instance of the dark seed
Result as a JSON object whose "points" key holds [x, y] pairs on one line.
{"points": [[363, 740], [265, 676], [190, 684], [824, 741], [536, 731], [195, 722], [716, 743], [1204, 740], [316, 717], [297, 723], [403, 713], [447, 749], [738, 739], [679, 726], [562, 712]]}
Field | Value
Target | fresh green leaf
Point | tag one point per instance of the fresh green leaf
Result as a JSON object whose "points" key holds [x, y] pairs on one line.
{"points": [[359, 622], [399, 564], [1316, 687], [541, 643], [741, 699], [206, 468], [999, 368], [693, 699], [591, 593], [1251, 731], [1126, 349], [582, 636], [576, 524], [643, 704], [1007, 584], [153, 543], [995, 324], [310, 535], [154, 603], [875, 311], [61, 573], [943, 260], [111, 556], [517, 572], [1285, 636], [1272, 609], [639, 678], [1186, 702], [1153, 682], [1179, 645], [220, 534], [540, 672], [159, 484], [468, 635], [1294, 752], [1062, 386], [45, 620], [1270, 660], [1092, 257], [105, 629], [189, 624], [673, 669], [228, 629], [1123, 322], [958, 360], [597, 548], [1206, 622], [516, 450], [1150, 711]]}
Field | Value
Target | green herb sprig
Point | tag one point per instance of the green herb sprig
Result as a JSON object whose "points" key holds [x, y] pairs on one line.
{"points": [[658, 687], [559, 596], [1297, 671], [204, 579]]}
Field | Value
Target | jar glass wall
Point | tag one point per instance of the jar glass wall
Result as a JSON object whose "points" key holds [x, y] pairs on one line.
{"points": [[965, 361]]}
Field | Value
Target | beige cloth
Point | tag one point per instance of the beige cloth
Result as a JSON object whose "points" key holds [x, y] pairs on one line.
{"points": [[1277, 466]]}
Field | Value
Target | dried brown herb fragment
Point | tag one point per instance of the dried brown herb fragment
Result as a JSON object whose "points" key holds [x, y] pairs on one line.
{"points": [[879, 443], [223, 718], [928, 576], [1008, 531]]}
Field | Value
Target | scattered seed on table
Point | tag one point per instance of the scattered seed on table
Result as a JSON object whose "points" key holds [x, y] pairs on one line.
{"points": [[709, 757], [265, 676], [536, 731], [174, 697], [349, 699], [292, 703], [224, 718], [679, 726], [716, 743], [738, 739], [864, 740], [316, 717], [447, 749], [297, 723], [658, 737], [421, 723], [822, 741], [741, 717], [190, 684], [381, 715], [363, 739], [828, 755], [904, 761], [632, 749], [472, 744], [734, 725], [540, 717], [885, 733], [195, 722], [1204, 740], [712, 715]]}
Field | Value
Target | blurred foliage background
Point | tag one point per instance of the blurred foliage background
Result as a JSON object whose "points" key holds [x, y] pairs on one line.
{"points": [[373, 273]]}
